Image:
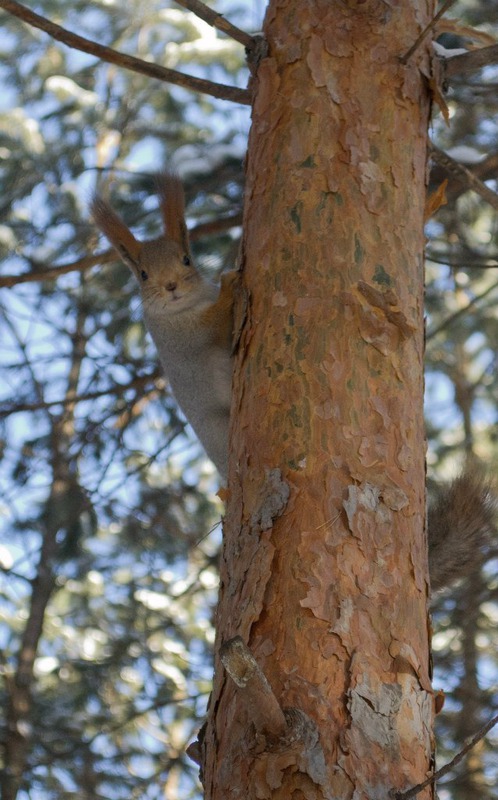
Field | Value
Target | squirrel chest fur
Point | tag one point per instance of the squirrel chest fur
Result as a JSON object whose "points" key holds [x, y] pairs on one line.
{"points": [[199, 370]]}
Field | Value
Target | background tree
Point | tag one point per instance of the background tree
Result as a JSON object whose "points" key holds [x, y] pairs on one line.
{"points": [[109, 569]]}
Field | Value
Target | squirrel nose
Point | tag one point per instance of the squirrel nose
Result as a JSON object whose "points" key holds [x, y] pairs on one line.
{"points": [[171, 286]]}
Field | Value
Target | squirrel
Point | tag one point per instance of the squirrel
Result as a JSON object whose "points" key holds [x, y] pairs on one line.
{"points": [[189, 318], [191, 321]]}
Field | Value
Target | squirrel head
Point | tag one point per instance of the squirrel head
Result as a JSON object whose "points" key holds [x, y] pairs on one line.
{"points": [[163, 267]]}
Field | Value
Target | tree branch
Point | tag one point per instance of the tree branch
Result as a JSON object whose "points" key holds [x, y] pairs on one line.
{"points": [[77, 42], [449, 766], [87, 262], [218, 21], [117, 389], [477, 262], [465, 175], [52, 273], [460, 313], [471, 61], [485, 169]]}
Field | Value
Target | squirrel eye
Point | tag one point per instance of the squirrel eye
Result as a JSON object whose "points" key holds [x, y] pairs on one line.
{"points": [[144, 275], [186, 261]]}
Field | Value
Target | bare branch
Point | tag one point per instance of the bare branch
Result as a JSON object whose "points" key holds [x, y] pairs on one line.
{"points": [[141, 382], [218, 21], [472, 262], [215, 226], [460, 313], [464, 175], [471, 61], [485, 169], [77, 42], [449, 766], [52, 273]]}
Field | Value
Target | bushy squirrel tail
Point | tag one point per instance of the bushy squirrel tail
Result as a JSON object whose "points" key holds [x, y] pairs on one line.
{"points": [[460, 523]]}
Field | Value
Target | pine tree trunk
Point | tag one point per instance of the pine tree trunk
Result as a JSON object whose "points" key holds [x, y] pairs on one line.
{"points": [[324, 571]]}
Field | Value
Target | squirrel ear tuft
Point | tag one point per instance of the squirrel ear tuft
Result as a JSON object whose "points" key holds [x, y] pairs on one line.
{"points": [[172, 204], [115, 230]]}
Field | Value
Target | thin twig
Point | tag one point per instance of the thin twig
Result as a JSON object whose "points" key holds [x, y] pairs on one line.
{"points": [[426, 30], [478, 262], [460, 313], [203, 11], [115, 390], [465, 175], [219, 90], [449, 766]]}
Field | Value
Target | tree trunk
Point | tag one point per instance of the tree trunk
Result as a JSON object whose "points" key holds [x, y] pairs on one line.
{"points": [[324, 569]]}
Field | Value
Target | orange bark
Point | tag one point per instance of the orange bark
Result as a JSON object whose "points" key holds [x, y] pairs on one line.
{"points": [[324, 569]]}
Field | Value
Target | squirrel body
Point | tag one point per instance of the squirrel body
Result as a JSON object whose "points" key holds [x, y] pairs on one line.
{"points": [[198, 369], [191, 321]]}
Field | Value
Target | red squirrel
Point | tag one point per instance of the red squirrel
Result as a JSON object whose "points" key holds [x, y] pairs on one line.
{"points": [[191, 320]]}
